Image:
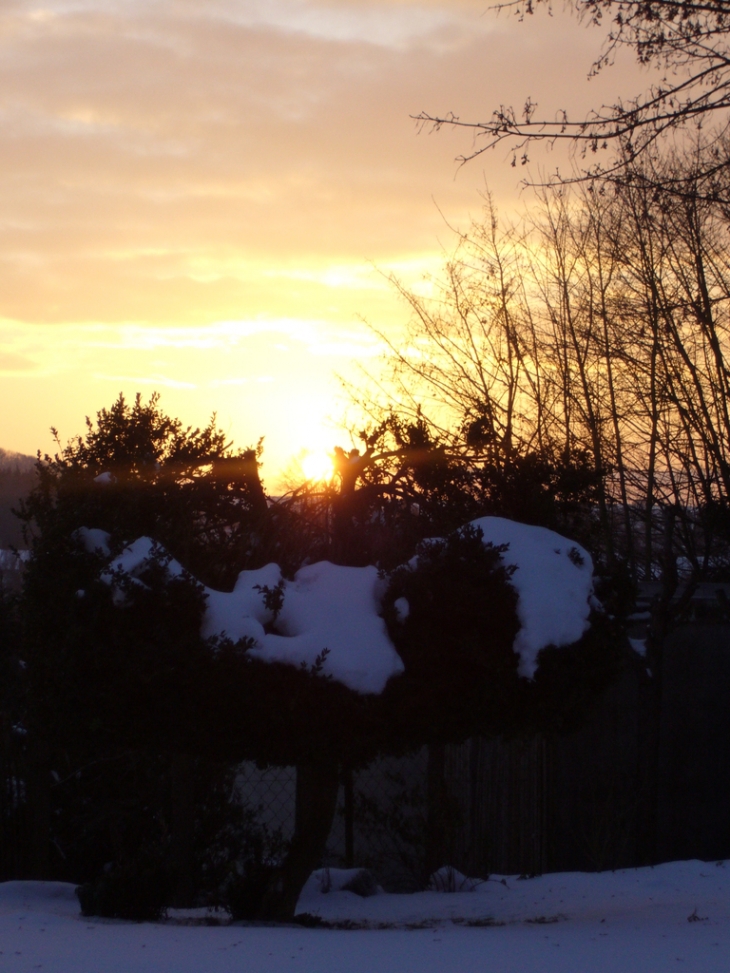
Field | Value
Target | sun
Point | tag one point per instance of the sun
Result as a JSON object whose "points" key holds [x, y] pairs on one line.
{"points": [[317, 466]]}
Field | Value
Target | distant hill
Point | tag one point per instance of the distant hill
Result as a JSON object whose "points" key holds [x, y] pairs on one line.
{"points": [[17, 476], [10, 460]]}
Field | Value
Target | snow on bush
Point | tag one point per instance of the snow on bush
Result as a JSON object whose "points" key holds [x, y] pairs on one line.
{"points": [[553, 578], [335, 608], [325, 606]]}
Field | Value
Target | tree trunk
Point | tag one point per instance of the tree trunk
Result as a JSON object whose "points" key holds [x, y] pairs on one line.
{"points": [[316, 802], [348, 786]]}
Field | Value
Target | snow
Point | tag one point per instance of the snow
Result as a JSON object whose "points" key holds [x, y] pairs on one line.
{"points": [[325, 607], [241, 613], [13, 560], [335, 608], [672, 917], [553, 579], [135, 559], [682, 887], [326, 880], [450, 879], [105, 479], [402, 609], [93, 540]]}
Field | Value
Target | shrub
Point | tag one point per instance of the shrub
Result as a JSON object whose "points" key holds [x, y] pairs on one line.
{"points": [[136, 890]]}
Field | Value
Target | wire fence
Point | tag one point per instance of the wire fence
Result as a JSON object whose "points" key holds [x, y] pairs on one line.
{"points": [[480, 807], [499, 806], [473, 807]]}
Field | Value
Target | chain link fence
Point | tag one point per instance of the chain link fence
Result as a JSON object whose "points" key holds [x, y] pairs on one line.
{"points": [[480, 807], [498, 806]]}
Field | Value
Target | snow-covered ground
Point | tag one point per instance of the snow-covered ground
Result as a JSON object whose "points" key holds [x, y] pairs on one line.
{"points": [[672, 917]]}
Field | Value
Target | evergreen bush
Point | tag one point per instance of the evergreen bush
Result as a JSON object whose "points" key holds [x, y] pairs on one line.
{"points": [[138, 889]]}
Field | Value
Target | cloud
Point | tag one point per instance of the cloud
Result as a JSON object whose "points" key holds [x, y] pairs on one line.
{"points": [[164, 161], [156, 380], [188, 183], [397, 24], [11, 364]]}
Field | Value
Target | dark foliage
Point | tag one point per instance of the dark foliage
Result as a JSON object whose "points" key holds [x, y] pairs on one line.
{"points": [[17, 478], [461, 676], [112, 673], [107, 804], [245, 891], [409, 484], [137, 889], [534, 488], [185, 487], [456, 642], [404, 485], [120, 680], [12, 690]]}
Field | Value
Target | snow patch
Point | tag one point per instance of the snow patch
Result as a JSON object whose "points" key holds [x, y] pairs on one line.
{"points": [[241, 613], [325, 607], [328, 606], [450, 879], [628, 921], [553, 579], [359, 881], [105, 479], [93, 540], [402, 608], [135, 559]]}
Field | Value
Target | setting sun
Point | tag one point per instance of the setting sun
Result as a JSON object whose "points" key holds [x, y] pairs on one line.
{"points": [[317, 466]]}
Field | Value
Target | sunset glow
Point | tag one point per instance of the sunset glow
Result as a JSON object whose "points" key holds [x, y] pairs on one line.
{"points": [[317, 466], [206, 198]]}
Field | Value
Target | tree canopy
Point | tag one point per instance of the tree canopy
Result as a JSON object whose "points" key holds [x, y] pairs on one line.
{"points": [[138, 471], [128, 659], [118, 658]]}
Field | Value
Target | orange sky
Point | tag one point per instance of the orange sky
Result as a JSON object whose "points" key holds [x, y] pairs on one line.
{"points": [[200, 196]]}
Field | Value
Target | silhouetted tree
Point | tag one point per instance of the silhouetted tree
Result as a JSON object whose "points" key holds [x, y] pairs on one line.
{"points": [[122, 666]]}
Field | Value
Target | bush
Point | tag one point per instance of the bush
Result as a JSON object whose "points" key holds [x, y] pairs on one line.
{"points": [[245, 891], [136, 890], [261, 853]]}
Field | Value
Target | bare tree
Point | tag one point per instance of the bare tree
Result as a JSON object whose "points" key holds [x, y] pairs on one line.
{"points": [[596, 330], [599, 330], [689, 40]]}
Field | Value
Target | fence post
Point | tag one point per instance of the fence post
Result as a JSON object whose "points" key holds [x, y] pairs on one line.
{"points": [[435, 851]]}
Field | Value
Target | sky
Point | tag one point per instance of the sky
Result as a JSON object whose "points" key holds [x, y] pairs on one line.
{"points": [[206, 197]]}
